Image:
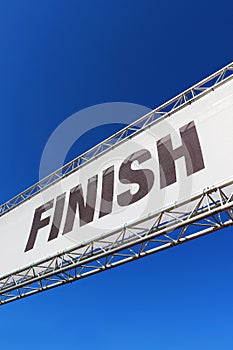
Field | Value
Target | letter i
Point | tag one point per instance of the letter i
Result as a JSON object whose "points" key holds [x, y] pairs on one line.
{"points": [[60, 202], [107, 192]]}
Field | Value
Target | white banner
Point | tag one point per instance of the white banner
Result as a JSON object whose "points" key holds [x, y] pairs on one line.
{"points": [[168, 162]]}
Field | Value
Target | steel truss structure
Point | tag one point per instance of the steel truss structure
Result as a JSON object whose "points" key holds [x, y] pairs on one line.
{"points": [[207, 212]]}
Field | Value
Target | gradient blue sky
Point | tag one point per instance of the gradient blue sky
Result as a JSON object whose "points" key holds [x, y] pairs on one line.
{"points": [[58, 57]]}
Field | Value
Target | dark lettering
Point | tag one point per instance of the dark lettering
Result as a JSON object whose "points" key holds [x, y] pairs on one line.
{"points": [[38, 223], [86, 211], [190, 150], [143, 177], [107, 192], [57, 217]]}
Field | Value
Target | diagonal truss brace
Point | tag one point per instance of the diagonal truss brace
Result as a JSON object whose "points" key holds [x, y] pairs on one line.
{"points": [[207, 212]]}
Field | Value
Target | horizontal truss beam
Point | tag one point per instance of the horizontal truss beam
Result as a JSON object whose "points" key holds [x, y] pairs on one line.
{"points": [[207, 212], [164, 111]]}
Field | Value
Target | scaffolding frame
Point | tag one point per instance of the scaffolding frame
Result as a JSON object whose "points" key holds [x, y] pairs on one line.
{"points": [[164, 111], [206, 212]]}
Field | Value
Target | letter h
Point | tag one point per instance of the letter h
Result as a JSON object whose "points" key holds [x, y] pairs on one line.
{"points": [[190, 150]]}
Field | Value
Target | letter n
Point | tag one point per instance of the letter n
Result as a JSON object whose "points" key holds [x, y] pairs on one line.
{"points": [[86, 209]]}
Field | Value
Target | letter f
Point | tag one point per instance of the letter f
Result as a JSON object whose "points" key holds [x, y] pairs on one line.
{"points": [[38, 223]]}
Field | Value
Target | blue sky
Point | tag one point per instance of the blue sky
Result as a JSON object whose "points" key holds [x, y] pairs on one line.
{"points": [[58, 57]]}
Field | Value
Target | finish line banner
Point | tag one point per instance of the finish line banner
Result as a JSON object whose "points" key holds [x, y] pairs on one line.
{"points": [[168, 162]]}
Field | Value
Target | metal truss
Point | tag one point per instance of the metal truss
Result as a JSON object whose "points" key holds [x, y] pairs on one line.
{"points": [[207, 212], [204, 213], [164, 111]]}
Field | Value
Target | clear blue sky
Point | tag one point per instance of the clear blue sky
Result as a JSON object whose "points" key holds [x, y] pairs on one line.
{"points": [[58, 57]]}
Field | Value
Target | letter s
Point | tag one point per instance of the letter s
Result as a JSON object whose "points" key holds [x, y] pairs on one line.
{"points": [[143, 177]]}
